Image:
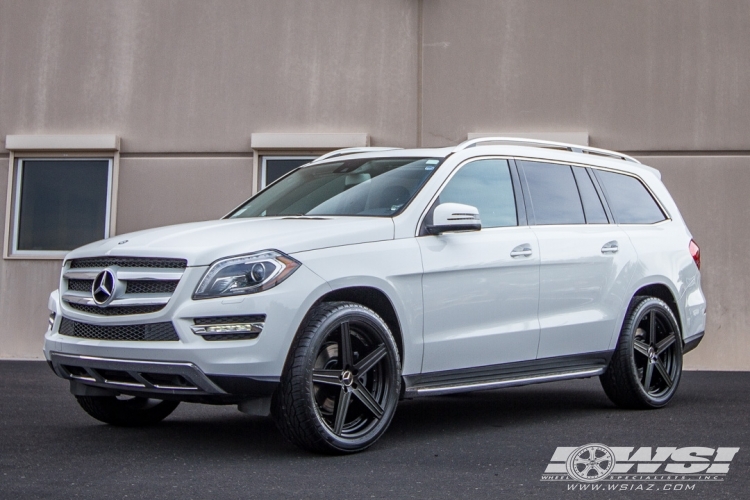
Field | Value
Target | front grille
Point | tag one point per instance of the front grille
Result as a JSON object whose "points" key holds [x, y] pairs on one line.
{"points": [[154, 281], [225, 320], [80, 285], [116, 311], [151, 286], [137, 262], [147, 332]]}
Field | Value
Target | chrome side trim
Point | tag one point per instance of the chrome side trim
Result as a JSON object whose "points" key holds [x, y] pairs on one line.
{"points": [[496, 384]]}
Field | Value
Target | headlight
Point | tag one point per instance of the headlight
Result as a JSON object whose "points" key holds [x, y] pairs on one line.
{"points": [[246, 274]]}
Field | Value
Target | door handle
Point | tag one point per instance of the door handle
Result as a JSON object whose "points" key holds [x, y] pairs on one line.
{"points": [[523, 250], [610, 247]]}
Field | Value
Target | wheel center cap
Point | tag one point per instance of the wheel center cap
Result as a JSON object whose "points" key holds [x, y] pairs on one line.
{"points": [[347, 378], [652, 354]]}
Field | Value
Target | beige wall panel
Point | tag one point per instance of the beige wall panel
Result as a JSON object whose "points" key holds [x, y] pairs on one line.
{"points": [[25, 286], [712, 194], [637, 75], [199, 75], [161, 191]]}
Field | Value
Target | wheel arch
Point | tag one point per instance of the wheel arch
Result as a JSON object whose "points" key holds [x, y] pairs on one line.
{"points": [[660, 288], [663, 292], [368, 296]]}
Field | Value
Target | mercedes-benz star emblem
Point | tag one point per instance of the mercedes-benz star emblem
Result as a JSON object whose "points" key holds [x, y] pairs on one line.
{"points": [[103, 288], [347, 378]]}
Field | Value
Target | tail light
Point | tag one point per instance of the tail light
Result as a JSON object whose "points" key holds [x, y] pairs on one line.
{"points": [[695, 253]]}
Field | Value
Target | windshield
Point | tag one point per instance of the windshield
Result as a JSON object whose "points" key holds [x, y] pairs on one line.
{"points": [[378, 187]]}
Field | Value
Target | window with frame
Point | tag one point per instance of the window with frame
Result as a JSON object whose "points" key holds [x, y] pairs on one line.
{"points": [[60, 203], [276, 167], [629, 200], [486, 185], [553, 192]]}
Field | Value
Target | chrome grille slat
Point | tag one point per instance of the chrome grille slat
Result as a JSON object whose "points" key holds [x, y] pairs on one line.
{"points": [[145, 299]]}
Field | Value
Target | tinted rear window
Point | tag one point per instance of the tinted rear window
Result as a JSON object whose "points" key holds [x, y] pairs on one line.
{"points": [[629, 200], [553, 193]]}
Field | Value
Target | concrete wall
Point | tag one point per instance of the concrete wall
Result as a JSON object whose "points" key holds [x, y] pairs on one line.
{"points": [[184, 84]]}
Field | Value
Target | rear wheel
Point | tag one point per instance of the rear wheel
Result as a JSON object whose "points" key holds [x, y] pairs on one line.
{"points": [[341, 385], [127, 411], [646, 367]]}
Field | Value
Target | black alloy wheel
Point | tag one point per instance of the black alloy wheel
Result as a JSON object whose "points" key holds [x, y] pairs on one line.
{"points": [[646, 367], [655, 353], [341, 386]]}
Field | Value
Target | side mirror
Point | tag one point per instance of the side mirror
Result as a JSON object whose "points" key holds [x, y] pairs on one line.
{"points": [[452, 217]]}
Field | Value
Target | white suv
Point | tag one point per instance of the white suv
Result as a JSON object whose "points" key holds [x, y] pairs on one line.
{"points": [[376, 274]]}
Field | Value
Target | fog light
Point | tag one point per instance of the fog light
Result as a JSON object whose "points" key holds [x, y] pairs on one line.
{"points": [[52, 317], [232, 328]]}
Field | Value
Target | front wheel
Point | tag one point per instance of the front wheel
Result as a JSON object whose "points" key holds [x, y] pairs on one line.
{"points": [[127, 411], [341, 385], [647, 364]]}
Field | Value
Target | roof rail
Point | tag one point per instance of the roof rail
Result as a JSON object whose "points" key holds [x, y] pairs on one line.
{"points": [[546, 144], [349, 151]]}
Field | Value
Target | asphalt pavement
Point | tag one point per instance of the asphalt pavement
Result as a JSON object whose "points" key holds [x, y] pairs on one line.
{"points": [[493, 444]]}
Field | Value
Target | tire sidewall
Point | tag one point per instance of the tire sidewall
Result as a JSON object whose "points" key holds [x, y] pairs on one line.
{"points": [[639, 310], [355, 314]]}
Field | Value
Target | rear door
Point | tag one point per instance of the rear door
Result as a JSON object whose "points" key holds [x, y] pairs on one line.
{"points": [[481, 288], [586, 260]]}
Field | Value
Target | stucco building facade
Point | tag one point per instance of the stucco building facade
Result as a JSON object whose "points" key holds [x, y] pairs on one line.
{"points": [[191, 106]]}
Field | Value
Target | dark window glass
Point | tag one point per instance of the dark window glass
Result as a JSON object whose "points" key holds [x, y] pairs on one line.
{"points": [[485, 184], [553, 193], [63, 203], [277, 168], [592, 205], [629, 199]]}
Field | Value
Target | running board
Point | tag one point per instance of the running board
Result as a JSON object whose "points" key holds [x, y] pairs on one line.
{"points": [[506, 375]]}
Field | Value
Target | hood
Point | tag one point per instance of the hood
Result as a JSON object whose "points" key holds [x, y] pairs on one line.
{"points": [[201, 243]]}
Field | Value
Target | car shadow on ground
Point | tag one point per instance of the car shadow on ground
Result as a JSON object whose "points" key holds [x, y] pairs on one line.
{"points": [[223, 431]]}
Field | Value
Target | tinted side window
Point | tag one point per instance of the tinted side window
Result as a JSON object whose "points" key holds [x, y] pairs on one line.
{"points": [[629, 200], [553, 193], [592, 205], [485, 184]]}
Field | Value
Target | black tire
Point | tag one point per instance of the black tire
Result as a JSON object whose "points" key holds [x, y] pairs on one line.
{"points": [[131, 412], [646, 367], [335, 404]]}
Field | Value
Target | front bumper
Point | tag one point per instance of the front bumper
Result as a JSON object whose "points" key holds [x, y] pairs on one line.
{"points": [[183, 381], [213, 368]]}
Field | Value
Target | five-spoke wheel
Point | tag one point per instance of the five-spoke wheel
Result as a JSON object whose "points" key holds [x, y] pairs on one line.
{"points": [[341, 385], [646, 366]]}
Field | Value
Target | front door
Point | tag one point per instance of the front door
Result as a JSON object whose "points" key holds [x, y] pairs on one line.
{"points": [[481, 288]]}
